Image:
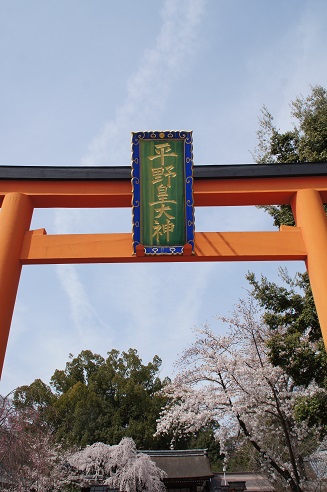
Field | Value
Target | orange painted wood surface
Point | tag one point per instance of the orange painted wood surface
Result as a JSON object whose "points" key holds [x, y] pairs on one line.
{"points": [[15, 218], [19, 246], [209, 246], [207, 192], [310, 215]]}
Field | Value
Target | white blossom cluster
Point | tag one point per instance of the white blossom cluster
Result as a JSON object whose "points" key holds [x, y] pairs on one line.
{"points": [[119, 466], [228, 379]]}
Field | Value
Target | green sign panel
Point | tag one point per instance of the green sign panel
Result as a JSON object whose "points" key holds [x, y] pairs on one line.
{"points": [[162, 192], [163, 219]]}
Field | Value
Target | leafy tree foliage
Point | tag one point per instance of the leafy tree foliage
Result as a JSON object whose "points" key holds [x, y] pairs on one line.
{"points": [[31, 460], [296, 344], [96, 399], [289, 310], [305, 142], [229, 379], [104, 400]]}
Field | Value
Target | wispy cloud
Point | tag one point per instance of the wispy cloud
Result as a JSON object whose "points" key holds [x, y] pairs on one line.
{"points": [[147, 91], [149, 87], [83, 315]]}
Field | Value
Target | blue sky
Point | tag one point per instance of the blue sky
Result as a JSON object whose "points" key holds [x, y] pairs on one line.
{"points": [[77, 77]]}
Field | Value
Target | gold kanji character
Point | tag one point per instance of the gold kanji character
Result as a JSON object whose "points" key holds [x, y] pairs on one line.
{"points": [[163, 211], [168, 228], [157, 174], [157, 231], [162, 195], [162, 151], [169, 174]]}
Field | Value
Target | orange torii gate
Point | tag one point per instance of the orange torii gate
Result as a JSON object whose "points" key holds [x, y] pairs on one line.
{"points": [[23, 188]]}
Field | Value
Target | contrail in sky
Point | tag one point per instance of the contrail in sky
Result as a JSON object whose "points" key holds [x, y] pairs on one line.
{"points": [[146, 94], [148, 88]]}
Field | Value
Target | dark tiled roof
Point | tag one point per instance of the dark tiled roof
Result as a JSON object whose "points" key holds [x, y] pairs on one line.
{"points": [[200, 171], [189, 464]]}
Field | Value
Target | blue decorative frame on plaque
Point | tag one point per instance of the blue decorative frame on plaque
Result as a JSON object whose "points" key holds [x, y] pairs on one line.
{"points": [[164, 136]]}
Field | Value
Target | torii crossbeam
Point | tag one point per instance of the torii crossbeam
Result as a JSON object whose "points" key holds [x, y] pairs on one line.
{"points": [[303, 186]]}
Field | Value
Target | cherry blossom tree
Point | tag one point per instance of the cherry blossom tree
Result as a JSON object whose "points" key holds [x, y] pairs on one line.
{"points": [[29, 457], [119, 466], [229, 379]]}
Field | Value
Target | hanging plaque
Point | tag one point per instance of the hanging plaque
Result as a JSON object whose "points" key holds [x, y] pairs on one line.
{"points": [[162, 177]]}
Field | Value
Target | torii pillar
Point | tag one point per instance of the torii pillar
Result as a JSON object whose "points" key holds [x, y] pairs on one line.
{"points": [[15, 218], [310, 216]]}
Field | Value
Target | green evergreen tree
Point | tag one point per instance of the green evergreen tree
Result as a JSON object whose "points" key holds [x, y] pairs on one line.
{"points": [[297, 345], [305, 142], [104, 400], [96, 399]]}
